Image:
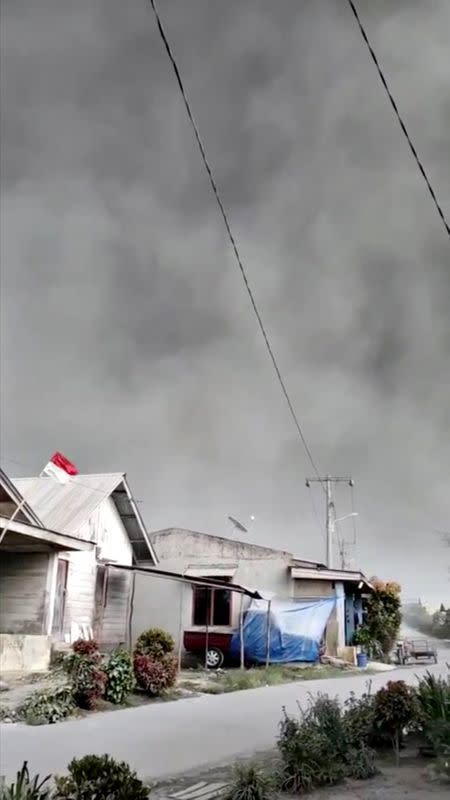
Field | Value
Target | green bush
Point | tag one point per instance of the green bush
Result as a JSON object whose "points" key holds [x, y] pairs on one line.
{"points": [[25, 787], [319, 749], [433, 696], [250, 782], [153, 675], [100, 778], [359, 717], [395, 708], [119, 676], [154, 642], [45, 708]]}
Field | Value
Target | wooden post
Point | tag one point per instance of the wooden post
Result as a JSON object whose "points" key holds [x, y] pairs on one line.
{"points": [[241, 632], [130, 611], [180, 626], [268, 634]]}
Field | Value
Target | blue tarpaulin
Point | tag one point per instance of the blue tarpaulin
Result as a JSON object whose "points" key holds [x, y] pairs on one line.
{"points": [[296, 629]]}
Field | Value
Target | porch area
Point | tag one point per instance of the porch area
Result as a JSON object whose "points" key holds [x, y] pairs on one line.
{"points": [[31, 591]]}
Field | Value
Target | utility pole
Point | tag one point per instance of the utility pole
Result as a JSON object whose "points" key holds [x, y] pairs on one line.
{"points": [[328, 483]]}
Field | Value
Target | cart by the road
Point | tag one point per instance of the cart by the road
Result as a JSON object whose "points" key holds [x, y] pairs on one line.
{"points": [[416, 650]]}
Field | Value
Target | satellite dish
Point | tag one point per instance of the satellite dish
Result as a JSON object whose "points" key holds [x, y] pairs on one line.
{"points": [[237, 525]]}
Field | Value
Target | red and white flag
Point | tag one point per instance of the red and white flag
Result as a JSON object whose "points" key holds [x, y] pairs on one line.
{"points": [[60, 468]]}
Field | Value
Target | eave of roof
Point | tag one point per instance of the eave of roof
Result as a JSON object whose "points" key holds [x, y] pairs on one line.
{"points": [[60, 540]]}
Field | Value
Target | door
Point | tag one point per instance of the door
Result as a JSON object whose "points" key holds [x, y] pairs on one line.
{"points": [[60, 598]]}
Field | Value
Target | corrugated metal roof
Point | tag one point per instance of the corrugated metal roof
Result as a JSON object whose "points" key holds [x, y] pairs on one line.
{"points": [[12, 492], [66, 507]]}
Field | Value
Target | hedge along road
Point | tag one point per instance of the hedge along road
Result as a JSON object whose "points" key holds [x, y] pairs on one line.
{"points": [[169, 739]]}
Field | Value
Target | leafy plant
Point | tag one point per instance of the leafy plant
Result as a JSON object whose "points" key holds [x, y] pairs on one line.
{"points": [[100, 778], [359, 717], [25, 787], [46, 708], [89, 683], [154, 642], [433, 695], [395, 708], [119, 676], [87, 647], [155, 675], [318, 749], [383, 619], [250, 782], [88, 677]]}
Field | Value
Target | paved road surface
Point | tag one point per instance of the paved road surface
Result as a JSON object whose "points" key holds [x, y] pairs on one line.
{"points": [[167, 739]]}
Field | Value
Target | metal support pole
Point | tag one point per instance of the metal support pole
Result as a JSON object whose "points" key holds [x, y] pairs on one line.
{"points": [[269, 604], [208, 598], [327, 483], [241, 632], [330, 524]]}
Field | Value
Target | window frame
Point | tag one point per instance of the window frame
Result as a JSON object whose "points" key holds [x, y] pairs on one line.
{"points": [[210, 594]]}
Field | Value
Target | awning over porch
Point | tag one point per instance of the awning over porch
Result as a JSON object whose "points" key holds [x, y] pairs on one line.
{"points": [[24, 536], [341, 575]]}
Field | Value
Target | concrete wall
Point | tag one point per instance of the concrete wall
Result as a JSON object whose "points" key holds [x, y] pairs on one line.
{"points": [[157, 601], [21, 653], [23, 592], [176, 543], [305, 588]]}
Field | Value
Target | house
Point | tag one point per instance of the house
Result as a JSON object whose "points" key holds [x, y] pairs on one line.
{"points": [[29, 555], [274, 572], [99, 514]]}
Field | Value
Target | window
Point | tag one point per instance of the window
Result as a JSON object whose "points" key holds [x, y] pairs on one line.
{"points": [[211, 606]]}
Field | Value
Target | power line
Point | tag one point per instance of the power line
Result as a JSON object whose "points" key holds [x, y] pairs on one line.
{"points": [[231, 237], [399, 116]]}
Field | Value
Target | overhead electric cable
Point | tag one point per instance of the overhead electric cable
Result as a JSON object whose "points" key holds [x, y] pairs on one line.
{"points": [[399, 116], [232, 239]]}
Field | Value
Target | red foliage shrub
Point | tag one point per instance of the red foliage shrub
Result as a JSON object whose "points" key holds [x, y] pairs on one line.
{"points": [[155, 675], [89, 683], [87, 647]]}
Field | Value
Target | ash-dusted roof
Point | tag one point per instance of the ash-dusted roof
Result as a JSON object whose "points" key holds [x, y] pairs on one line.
{"points": [[67, 507], [10, 493], [158, 536]]}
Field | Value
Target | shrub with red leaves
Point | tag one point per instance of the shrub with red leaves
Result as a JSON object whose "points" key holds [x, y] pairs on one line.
{"points": [[87, 647], [89, 683], [85, 669], [155, 675]]}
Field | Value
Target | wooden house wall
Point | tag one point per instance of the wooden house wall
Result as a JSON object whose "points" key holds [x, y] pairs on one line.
{"points": [[23, 585]]}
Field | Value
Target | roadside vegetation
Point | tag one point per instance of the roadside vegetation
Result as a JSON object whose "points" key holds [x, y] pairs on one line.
{"points": [[236, 680], [383, 619], [436, 625], [325, 744], [328, 743], [87, 681]]}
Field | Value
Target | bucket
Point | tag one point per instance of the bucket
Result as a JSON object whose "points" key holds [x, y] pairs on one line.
{"points": [[361, 659]]}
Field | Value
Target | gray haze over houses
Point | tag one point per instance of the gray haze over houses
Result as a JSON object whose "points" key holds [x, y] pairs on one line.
{"points": [[127, 337]]}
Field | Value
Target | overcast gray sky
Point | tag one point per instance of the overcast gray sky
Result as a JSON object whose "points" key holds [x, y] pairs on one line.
{"points": [[128, 342]]}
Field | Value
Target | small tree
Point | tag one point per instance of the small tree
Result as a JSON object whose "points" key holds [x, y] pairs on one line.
{"points": [[383, 617], [395, 708]]}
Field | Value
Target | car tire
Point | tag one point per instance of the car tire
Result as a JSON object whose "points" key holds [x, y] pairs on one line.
{"points": [[214, 658]]}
